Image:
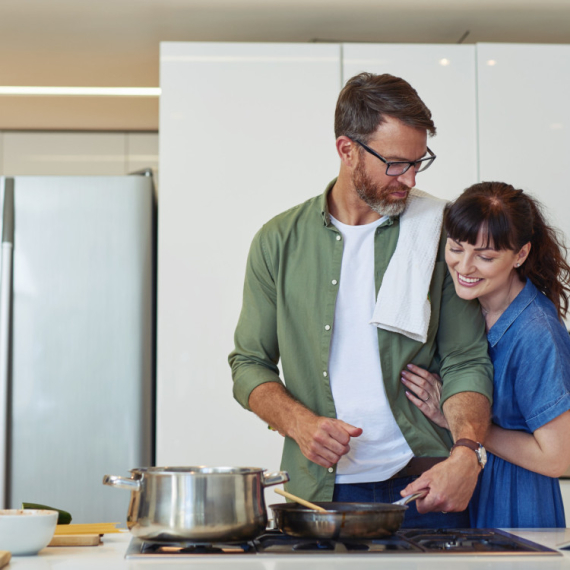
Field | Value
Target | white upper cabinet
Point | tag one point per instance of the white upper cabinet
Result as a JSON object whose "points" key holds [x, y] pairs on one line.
{"points": [[524, 121], [444, 77], [246, 131]]}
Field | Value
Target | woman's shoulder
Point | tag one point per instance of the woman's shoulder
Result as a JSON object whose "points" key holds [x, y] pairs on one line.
{"points": [[538, 328], [543, 311]]}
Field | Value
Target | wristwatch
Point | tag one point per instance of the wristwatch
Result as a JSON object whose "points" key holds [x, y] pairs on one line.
{"points": [[479, 450]]}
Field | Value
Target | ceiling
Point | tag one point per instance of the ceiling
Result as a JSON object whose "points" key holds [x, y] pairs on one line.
{"points": [[115, 43]]}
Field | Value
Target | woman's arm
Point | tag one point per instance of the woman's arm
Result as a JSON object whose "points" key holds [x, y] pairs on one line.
{"points": [[546, 451]]}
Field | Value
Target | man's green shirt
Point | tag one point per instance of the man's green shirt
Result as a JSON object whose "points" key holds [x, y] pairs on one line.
{"points": [[291, 285]]}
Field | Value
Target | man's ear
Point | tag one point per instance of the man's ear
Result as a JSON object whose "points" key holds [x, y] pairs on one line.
{"points": [[347, 150]]}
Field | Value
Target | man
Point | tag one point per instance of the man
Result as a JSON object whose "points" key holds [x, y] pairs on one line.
{"points": [[312, 278]]}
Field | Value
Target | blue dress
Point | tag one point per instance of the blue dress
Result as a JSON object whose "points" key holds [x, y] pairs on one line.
{"points": [[530, 350]]}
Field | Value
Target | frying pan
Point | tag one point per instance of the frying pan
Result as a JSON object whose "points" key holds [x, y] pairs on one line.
{"points": [[341, 520]]}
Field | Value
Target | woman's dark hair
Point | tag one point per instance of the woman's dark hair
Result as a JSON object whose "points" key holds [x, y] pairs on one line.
{"points": [[367, 99], [511, 218]]}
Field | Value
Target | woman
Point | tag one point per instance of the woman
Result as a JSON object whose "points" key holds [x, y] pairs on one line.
{"points": [[501, 252]]}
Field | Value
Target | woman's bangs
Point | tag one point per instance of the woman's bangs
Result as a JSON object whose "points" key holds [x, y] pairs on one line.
{"points": [[499, 232], [463, 223]]}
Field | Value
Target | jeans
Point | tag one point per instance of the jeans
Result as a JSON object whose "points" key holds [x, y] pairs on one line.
{"points": [[388, 492]]}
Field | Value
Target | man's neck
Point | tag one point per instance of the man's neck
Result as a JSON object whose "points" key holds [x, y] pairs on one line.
{"points": [[345, 205]]}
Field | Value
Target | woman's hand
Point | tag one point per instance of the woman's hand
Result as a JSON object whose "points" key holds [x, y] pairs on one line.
{"points": [[427, 389]]}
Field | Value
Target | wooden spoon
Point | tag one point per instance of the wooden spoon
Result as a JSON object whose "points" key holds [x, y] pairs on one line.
{"points": [[299, 500]]}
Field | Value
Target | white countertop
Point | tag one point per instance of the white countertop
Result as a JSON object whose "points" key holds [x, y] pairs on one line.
{"points": [[110, 556]]}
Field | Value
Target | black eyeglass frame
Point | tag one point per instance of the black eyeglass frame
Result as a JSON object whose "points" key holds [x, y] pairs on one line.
{"points": [[413, 163]]}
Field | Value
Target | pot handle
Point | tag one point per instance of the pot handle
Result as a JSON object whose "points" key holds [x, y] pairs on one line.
{"points": [[268, 479], [122, 482]]}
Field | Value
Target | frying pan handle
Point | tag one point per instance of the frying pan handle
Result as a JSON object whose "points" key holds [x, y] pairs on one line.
{"points": [[410, 498], [269, 479]]}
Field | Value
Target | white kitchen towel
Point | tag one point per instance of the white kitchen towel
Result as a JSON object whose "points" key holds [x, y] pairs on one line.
{"points": [[403, 305]]}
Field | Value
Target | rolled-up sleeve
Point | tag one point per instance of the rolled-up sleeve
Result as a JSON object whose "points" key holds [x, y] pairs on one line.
{"points": [[462, 346], [256, 354]]}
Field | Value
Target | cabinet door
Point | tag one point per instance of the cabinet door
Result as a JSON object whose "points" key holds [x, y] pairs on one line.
{"points": [[524, 121], [444, 77], [524, 126], [246, 131]]}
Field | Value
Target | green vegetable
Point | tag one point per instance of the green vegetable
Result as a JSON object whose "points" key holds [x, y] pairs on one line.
{"points": [[63, 518]]}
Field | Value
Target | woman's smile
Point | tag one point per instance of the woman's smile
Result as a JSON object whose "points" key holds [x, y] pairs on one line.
{"points": [[468, 281]]}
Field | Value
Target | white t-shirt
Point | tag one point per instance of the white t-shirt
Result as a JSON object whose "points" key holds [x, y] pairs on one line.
{"points": [[354, 367]]}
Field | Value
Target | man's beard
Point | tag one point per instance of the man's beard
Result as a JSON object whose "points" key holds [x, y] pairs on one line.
{"points": [[377, 197]]}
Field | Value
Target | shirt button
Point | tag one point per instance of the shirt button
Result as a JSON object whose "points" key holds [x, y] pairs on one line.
{"points": [[338, 238], [325, 374], [334, 281], [330, 470], [327, 327]]}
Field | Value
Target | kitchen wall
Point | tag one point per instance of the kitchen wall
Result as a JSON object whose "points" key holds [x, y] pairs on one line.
{"points": [[77, 153]]}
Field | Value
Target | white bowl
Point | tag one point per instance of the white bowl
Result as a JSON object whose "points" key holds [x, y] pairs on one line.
{"points": [[26, 532]]}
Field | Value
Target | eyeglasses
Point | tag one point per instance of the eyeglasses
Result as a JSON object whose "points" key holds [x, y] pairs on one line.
{"points": [[398, 168]]}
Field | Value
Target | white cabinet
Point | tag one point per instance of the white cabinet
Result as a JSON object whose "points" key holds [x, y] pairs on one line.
{"points": [[524, 125], [246, 132], [524, 121], [444, 77]]}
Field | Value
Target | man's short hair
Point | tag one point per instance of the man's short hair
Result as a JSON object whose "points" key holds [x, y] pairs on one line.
{"points": [[367, 99]]}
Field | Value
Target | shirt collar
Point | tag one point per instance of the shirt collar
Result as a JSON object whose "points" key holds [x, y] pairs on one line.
{"points": [[519, 304], [325, 214], [324, 204]]}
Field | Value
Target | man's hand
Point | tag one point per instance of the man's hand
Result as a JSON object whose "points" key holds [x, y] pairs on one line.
{"points": [[323, 440], [450, 483]]}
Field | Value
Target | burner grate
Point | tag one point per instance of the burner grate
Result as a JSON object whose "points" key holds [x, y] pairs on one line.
{"points": [[473, 541], [145, 549], [277, 543], [412, 541]]}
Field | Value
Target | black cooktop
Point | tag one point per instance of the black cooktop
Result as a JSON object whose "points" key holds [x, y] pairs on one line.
{"points": [[414, 541]]}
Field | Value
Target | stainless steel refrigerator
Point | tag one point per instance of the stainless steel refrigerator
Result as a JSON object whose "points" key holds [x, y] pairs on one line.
{"points": [[77, 340]]}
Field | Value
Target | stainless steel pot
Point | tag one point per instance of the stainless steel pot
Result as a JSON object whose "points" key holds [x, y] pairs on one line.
{"points": [[196, 504]]}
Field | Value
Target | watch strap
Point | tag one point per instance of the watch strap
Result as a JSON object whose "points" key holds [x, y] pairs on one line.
{"points": [[467, 443], [475, 446]]}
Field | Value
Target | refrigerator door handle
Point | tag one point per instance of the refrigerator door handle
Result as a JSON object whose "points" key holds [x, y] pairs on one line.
{"points": [[5, 312]]}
